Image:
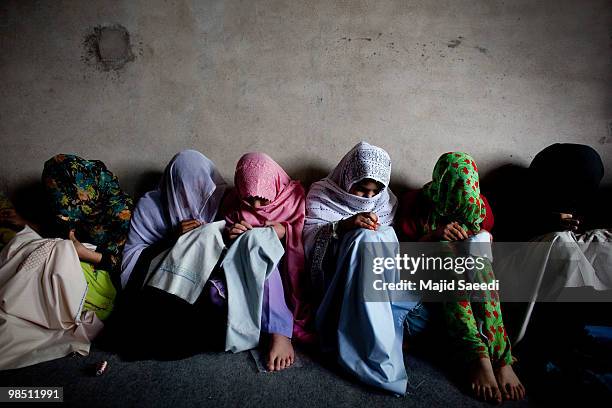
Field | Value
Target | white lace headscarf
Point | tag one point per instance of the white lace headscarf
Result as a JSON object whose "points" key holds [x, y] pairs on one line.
{"points": [[329, 199]]}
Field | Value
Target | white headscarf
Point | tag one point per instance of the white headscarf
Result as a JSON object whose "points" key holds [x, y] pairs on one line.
{"points": [[329, 199]]}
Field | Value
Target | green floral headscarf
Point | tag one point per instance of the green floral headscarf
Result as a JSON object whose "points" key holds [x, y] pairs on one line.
{"points": [[455, 192]]}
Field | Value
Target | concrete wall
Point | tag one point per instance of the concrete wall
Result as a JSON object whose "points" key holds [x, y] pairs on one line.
{"points": [[303, 81]]}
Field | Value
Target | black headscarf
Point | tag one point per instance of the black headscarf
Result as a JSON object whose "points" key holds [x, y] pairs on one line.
{"points": [[565, 177]]}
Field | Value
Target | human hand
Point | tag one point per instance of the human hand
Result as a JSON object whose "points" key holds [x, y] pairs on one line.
{"points": [[85, 254], [186, 226], [368, 220], [568, 223], [278, 228], [238, 228], [450, 232]]}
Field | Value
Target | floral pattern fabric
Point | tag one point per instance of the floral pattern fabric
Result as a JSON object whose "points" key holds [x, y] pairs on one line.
{"points": [[477, 326], [84, 195], [455, 192]]}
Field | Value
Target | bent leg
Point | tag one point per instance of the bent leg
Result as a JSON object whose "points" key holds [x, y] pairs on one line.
{"points": [[275, 315], [248, 262], [368, 334]]}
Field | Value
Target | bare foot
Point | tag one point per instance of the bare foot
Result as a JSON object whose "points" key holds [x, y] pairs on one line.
{"points": [[281, 353], [509, 384], [483, 382]]}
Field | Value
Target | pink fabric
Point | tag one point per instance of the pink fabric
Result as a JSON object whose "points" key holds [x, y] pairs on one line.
{"points": [[257, 175]]}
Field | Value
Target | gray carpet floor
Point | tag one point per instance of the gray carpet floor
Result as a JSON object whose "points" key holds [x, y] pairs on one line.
{"points": [[225, 379]]}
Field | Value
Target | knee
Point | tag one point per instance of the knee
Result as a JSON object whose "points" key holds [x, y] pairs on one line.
{"points": [[561, 236], [249, 236], [360, 233], [211, 230], [384, 233], [65, 246], [252, 239]]}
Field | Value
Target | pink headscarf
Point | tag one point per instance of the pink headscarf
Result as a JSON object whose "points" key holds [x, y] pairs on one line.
{"points": [[257, 175]]}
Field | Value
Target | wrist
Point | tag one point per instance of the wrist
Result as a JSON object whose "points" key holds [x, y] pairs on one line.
{"points": [[341, 226], [88, 255]]}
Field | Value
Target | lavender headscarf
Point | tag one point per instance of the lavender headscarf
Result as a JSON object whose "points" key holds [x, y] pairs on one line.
{"points": [[190, 189]]}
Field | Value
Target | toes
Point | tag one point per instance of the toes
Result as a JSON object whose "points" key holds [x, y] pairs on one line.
{"points": [[507, 389], [277, 365], [497, 395], [519, 392], [270, 365], [273, 363], [282, 363]]}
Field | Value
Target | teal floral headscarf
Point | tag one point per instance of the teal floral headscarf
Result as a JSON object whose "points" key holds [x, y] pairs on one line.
{"points": [[455, 193]]}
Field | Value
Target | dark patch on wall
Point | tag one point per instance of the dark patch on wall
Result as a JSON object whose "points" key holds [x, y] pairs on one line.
{"points": [[454, 43], [607, 139], [108, 48], [482, 49], [359, 38]]}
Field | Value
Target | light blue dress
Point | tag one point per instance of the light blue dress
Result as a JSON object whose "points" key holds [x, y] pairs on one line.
{"points": [[367, 335], [256, 300]]}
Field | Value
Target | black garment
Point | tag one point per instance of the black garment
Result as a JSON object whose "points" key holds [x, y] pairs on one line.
{"points": [[566, 177], [151, 323], [563, 178]]}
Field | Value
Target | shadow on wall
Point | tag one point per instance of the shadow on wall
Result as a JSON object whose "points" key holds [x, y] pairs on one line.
{"points": [[507, 188], [310, 174], [143, 182], [31, 203], [504, 187], [400, 187]]}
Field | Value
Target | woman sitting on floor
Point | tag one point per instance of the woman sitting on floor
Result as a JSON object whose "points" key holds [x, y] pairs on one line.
{"points": [[351, 206], [569, 247], [171, 253], [451, 208], [264, 266], [564, 180], [54, 294]]}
